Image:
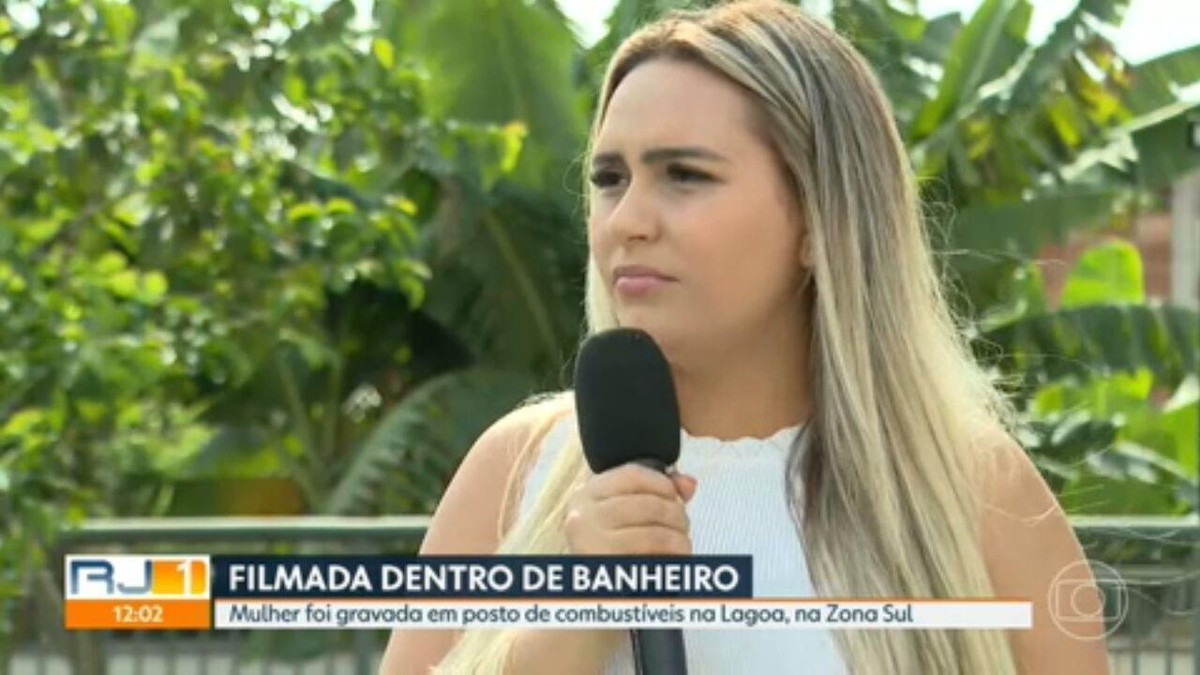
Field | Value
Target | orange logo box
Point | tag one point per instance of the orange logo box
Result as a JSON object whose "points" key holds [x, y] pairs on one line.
{"points": [[136, 592]]}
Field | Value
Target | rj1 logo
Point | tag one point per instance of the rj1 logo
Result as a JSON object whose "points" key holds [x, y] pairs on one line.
{"points": [[120, 576]]}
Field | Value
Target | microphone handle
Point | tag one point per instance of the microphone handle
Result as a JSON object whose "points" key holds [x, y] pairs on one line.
{"points": [[658, 651]]}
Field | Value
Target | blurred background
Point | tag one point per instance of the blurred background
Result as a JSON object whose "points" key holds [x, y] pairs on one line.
{"points": [[269, 267]]}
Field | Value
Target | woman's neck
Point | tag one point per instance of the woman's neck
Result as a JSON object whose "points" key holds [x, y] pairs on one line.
{"points": [[753, 391]]}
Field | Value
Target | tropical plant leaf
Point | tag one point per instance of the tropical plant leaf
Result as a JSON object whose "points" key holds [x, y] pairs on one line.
{"points": [[1108, 446], [511, 285], [1157, 83], [986, 244], [501, 62], [1068, 39], [985, 48], [888, 35], [1021, 293], [1069, 438], [1021, 229], [1165, 152], [1106, 273], [1173, 432], [1103, 339], [1127, 478], [938, 37], [414, 449]]}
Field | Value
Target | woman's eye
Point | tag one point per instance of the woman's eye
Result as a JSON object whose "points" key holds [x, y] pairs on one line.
{"points": [[683, 174], [605, 178]]}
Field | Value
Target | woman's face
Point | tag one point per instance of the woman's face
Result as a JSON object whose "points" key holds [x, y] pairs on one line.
{"points": [[682, 184]]}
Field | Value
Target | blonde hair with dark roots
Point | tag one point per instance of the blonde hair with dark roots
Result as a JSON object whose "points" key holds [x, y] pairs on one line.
{"points": [[884, 490]]}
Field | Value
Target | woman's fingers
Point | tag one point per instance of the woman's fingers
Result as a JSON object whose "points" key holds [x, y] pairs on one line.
{"points": [[650, 540], [631, 510], [631, 479], [685, 485], [642, 510]]}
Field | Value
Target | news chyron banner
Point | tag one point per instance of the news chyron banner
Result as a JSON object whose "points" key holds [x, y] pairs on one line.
{"points": [[182, 592]]}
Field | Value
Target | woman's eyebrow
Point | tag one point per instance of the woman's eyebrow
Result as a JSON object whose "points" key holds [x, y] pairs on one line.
{"points": [[663, 154]]}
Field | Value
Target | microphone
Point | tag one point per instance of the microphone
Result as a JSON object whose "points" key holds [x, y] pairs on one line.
{"points": [[627, 411]]}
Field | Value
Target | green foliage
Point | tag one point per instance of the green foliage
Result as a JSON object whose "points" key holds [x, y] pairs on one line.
{"points": [[1108, 450], [204, 208], [502, 62], [1108, 273], [1094, 374], [422, 440], [1021, 145], [507, 255]]}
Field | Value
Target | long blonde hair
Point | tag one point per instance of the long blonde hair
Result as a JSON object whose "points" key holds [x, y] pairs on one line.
{"points": [[884, 490]]}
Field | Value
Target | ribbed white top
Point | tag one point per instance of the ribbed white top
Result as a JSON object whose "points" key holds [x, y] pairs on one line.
{"points": [[740, 508]]}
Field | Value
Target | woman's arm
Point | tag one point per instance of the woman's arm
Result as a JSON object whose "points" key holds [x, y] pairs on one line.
{"points": [[467, 521], [1032, 552]]}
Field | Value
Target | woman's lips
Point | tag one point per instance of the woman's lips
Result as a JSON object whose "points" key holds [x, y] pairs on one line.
{"points": [[640, 284]]}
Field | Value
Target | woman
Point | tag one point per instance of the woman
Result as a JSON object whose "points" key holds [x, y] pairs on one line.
{"points": [[751, 208]]}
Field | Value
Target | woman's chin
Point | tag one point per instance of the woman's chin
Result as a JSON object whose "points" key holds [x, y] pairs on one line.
{"points": [[661, 333]]}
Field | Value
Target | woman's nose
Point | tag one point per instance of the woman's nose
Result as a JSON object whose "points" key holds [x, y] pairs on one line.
{"points": [[634, 216]]}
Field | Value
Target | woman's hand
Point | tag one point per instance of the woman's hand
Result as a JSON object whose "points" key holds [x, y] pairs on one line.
{"points": [[631, 510]]}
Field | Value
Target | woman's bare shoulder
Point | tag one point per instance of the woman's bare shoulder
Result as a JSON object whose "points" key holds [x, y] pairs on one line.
{"points": [[467, 520], [468, 517], [1032, 553]]}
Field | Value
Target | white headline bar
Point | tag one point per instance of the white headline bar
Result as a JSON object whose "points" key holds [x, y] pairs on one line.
{"points": [[756, 613]]}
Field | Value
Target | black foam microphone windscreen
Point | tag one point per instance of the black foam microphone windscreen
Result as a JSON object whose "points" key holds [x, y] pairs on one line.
{"points": [[627, 411], [625, 401]]}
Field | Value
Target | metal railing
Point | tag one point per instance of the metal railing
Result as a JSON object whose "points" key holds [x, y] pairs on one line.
{"points": [[1157, 560]]}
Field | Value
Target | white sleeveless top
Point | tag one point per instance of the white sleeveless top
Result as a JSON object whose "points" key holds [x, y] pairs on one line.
{"points": [[740, 508]]}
